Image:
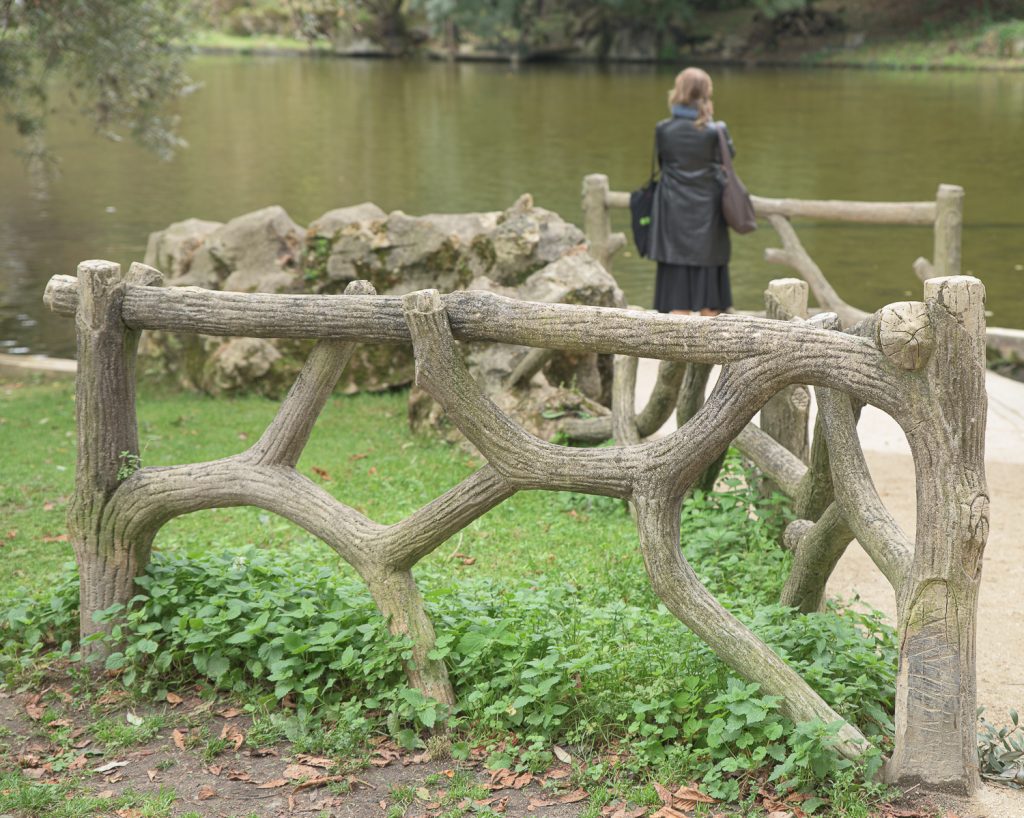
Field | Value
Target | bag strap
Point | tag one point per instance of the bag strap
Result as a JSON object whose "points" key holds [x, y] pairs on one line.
{"points": [[724, 147], [654, 154]]}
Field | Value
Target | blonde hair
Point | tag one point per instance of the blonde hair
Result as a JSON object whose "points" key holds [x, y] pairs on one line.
{"points": [[693, 88]]}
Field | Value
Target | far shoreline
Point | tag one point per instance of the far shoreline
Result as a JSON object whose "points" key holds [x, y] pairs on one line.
{"points": [[882, 57]]}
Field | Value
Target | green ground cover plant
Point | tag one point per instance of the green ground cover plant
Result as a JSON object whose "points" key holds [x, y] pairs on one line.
{"points": [[543, 612]]}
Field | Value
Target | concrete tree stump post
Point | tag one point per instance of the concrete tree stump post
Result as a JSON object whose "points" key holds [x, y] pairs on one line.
{"points": [[785, 416], [597, 223], [107, 429], [949, 224], [937, 603]]}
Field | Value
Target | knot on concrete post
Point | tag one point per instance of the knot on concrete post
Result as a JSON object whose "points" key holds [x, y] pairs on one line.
{"points": [[905, 334], [794, 533]]}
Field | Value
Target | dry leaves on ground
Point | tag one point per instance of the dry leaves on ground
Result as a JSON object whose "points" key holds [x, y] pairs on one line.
{"points": [[620, 810], [206, 792], [231, 733], [683, 800]]}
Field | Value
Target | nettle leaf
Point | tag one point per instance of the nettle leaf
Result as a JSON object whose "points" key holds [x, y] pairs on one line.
{"points": [[146, 646], [217, 665], [472, 642]]}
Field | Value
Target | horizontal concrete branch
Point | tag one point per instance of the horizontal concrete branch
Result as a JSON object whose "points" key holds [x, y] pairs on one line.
{"points": [[922, 213], [474, 315]]}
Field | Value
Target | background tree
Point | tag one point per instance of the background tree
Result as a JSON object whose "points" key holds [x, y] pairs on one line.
{"points": [[119, 62]]}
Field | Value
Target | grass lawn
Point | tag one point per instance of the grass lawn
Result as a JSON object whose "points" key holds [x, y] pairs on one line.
{"points": [[567, 669]]}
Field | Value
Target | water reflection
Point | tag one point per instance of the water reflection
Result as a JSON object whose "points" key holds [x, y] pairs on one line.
{"points": [[312, 135]]}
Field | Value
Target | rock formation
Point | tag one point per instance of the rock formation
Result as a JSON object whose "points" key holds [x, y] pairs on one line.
{"points": [[525, 252]]}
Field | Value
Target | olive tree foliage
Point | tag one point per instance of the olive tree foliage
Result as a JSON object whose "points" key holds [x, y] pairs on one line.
{"points": [[117, 62]]}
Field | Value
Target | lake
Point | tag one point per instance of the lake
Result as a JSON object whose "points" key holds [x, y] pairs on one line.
{"points": [[315, 134]]}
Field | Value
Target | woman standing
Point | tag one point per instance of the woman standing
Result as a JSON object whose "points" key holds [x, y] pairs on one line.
{"points": [[689, 236]]}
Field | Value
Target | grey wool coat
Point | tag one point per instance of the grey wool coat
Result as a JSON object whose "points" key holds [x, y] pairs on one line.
{"points": [[687, 226]]}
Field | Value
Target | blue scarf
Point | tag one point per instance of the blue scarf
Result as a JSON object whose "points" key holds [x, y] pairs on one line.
{"points": [[685, 112]]}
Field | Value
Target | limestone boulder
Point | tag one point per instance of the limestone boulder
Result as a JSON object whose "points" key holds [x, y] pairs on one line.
{"points": [[524, 239], [250, 252], [171, 250], [332, 222], [241, 364], [397, 254]]}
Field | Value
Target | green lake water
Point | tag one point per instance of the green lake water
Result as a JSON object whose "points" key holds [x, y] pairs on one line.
{"points": [[315, 134]]}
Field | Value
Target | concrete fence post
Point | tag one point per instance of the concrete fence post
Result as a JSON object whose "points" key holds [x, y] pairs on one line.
{"points": [[949, 222]]}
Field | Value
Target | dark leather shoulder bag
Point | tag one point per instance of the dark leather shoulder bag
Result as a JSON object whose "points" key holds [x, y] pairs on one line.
{"points": [[641, 206], [737, 209]]}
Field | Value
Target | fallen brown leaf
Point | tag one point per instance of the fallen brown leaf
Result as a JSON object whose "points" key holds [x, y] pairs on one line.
{"points": [[522, 780], [668, 812], [105, 794], [780, 814], [316, 761], [557, 774], [687, 798], [110, 765], [151, 774], [574, 796], [58, 723], [561, 755], [206, 792], [113, 779], [238, 775], [539, 802], [173, 699], [664, 794], [35, 773], [214, 769], [233, 734], [297, 771], [48, 506], [620, 810], [34, 709], [12, 533], [273, 784], [79, 763], [179, 739], [57, 538], [229, 713]]}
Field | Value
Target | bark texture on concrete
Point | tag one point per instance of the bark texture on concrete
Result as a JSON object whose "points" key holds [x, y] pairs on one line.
{"points": [[923, 363]]}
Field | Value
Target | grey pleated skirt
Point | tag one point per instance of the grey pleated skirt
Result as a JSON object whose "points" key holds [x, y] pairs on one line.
{"points": [[691, 287]]}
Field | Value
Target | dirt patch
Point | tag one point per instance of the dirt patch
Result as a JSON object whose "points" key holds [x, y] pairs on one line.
{"points": [[201, 753]]}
